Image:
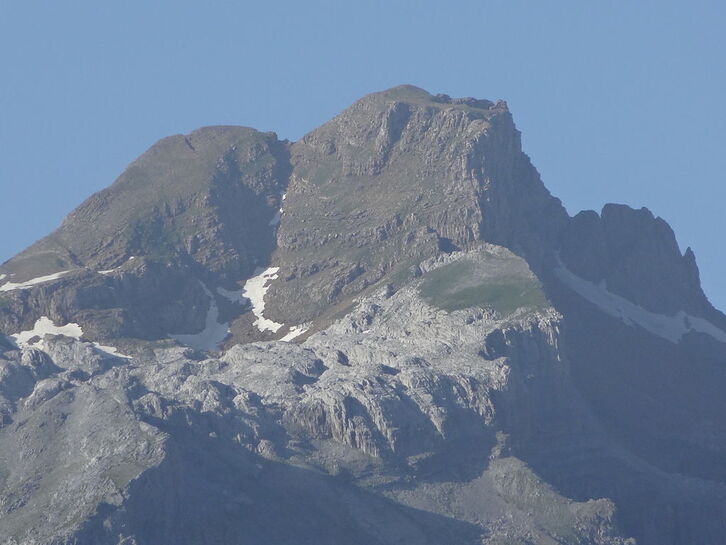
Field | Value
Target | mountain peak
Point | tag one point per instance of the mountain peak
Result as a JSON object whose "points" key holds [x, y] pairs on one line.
{"points": [[397, 176], [442, 354], [404, 92], [415, 95]]}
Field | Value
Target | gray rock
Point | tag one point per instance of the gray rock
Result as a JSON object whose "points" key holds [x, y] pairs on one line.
{"points": [[451, 387]]}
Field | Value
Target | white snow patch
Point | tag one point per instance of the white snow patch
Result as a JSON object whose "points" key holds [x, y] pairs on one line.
{"points": [[213, 334], [110, 350], [2, 276], [110, 271], [671, 328], [45, 326], [278, 215], [255, 289], [295, 331], [10, 286]]}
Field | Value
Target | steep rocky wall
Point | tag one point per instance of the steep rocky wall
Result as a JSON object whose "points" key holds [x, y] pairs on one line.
{"points": [[398, 177]]}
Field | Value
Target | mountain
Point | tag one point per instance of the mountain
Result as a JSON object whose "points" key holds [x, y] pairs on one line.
{"points": [[386, 332]]}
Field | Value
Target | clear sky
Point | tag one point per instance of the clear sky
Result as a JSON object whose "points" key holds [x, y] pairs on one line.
{"points": [[618, 101]]}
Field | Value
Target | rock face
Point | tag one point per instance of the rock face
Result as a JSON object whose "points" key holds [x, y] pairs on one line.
{"points": [[193, 209], [637, 256], [469, 365], [360, 434], [398, 177]]}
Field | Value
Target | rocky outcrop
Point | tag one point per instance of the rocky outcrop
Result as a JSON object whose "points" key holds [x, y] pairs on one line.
{"points": [[398, 420], [399, 177], [470, 364], [637, 256], [422, 422], [194, 208]]}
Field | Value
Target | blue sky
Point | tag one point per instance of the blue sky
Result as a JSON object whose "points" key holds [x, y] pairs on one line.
{"points": [[618, 101]]}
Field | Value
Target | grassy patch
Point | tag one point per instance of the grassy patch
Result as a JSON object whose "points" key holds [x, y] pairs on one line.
{"points": [[465, 284]]}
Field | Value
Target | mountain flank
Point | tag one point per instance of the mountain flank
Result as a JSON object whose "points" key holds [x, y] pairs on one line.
{"points": [[386, 332]]}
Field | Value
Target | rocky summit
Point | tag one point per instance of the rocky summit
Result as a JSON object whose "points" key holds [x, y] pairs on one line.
{"points": [[387, 332]]}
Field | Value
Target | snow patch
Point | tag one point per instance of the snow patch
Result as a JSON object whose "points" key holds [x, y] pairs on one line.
{"points": [[255, 289], [111, 271], [45, 326], [295, 331], [278, 215], [213, 334], [671, 328], [10, 286], [110, 350]]}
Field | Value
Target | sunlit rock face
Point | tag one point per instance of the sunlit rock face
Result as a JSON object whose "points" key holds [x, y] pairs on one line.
{"points": [[386, 332]]}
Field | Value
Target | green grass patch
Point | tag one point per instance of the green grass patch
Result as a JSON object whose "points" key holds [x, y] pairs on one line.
{"points": [[464, 284]]}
